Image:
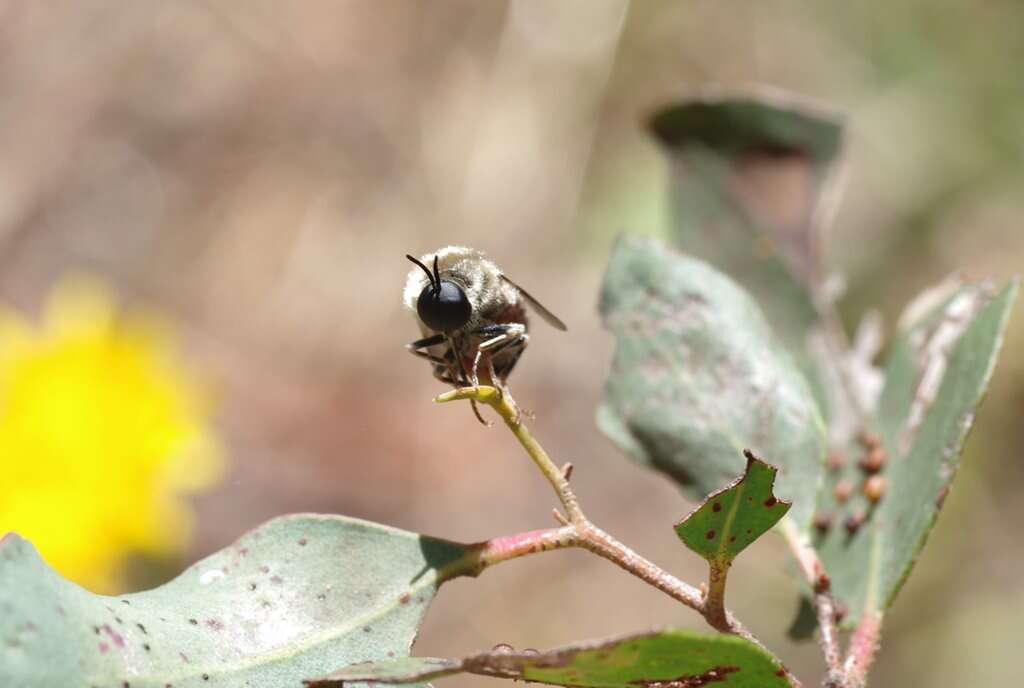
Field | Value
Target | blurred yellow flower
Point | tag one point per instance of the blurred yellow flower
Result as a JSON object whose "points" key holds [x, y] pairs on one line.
{"points": [[101, 432]]}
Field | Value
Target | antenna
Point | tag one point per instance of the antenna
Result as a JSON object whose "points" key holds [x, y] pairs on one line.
{"points": [[433, 283]]}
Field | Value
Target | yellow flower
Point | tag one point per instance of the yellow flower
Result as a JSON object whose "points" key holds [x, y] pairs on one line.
{"points": [[101, 432]]}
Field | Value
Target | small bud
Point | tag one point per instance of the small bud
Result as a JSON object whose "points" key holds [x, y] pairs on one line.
{"points": [[841, 610], [835, 460], [823, 521], [874, 488], [503, 649], [531, 651], [854, 521], [842, 490], [868, 440], [873, 460]]}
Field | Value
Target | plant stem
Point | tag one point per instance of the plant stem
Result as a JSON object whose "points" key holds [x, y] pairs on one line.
{"points": [[497, 550], [714, 601], [824, 605], [578, 531], [513, 419], [863, 645]]}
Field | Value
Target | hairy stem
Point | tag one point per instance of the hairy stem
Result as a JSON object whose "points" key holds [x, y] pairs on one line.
{"points": [[863, 645], [824, 604], [714, 602], [497, 550], [578, 531]]}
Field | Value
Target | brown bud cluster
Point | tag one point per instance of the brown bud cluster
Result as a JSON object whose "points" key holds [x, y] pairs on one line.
{"points": [[873, 460], [842, 490], [874, 488], [823, 521], [835, 460], [854, 521]]}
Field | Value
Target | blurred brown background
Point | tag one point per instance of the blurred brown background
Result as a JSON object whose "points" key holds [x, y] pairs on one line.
{"points": [[257, 170]]}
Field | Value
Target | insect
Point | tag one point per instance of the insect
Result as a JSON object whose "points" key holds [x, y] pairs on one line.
{"points": [[471, 316]]}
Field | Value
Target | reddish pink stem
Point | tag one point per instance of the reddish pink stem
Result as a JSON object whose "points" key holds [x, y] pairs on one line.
{"points": [[863, 645], [499, 549]]}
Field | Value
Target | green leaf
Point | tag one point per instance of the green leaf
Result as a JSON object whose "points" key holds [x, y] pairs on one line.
{"points": [[731, 519], [294, 598], [751, 186], [669, 657], [805, 621], [698, 376], [936, 375]]}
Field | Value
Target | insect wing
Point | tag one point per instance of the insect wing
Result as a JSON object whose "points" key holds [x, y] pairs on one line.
{"points": [[537, 306]]}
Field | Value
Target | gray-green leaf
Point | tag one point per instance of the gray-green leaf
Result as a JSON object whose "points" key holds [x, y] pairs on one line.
{"points": [[751, 174], [936, 374], [669, 657], [294, 598], [698, 376]]}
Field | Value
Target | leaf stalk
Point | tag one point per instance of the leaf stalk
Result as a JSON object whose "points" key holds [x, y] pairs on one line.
{"points": [[578, 531]]}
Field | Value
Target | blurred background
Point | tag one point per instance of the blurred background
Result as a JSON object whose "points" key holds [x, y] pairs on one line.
{"points": [[216, 198]]}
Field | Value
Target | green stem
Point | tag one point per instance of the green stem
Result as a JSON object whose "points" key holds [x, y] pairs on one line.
{"points": [[577, 531], [824, 605], [714, 601], [513, 419]]}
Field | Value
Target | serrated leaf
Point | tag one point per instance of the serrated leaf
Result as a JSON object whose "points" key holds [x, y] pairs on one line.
{"points": [[936, 375], [296, 597], [697, 376], [751, 177], [669, 657], [731, 519]]}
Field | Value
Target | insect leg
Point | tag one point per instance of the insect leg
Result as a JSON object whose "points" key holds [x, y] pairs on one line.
{"points": [[417, 348], [502, 334], [512, 349], [500, 329], [426, 341], [444, 367], [519, 341], [462, 373]]}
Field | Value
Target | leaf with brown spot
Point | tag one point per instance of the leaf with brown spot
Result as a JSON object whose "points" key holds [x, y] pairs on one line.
{"points": [[936, 374], [698, 374], [729, 520], [211, 627], [667, 658]]}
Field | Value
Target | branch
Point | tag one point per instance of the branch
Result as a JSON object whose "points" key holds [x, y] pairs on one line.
{"points": [[863, 645], [714, 603], [513, 419], [578, 531], [824, 604]]}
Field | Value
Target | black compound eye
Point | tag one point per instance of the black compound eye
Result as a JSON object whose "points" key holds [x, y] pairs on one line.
{"points": [[444, 309]]}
